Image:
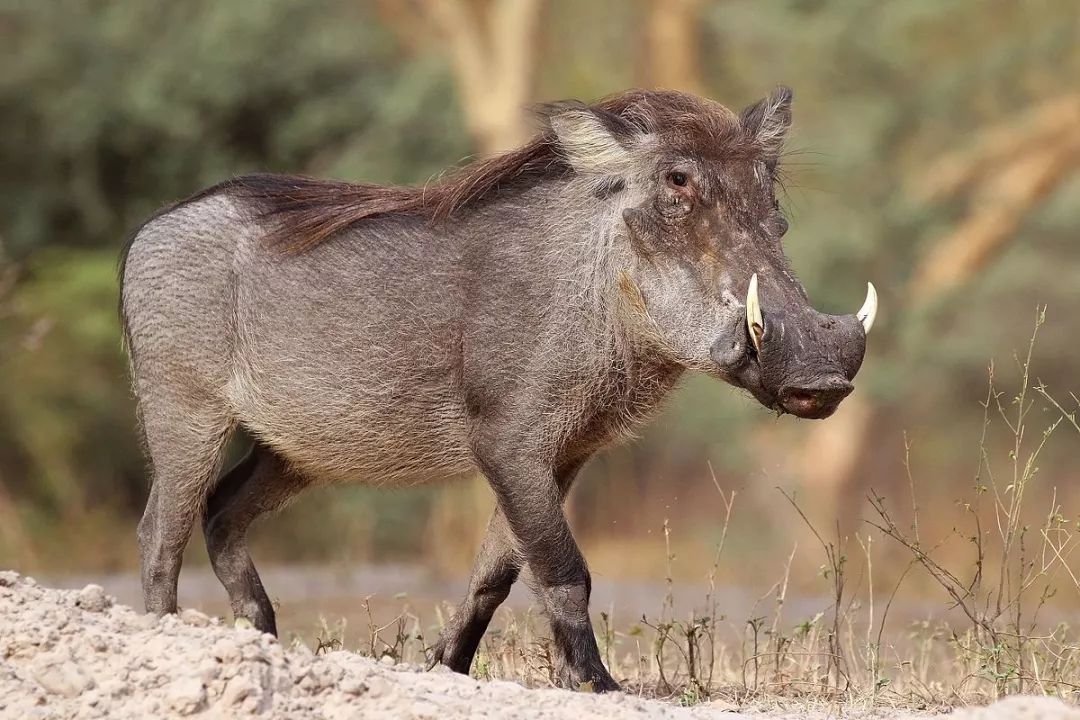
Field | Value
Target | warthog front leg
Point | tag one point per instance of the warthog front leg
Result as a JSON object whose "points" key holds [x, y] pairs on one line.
{"points": [[530, 499]]}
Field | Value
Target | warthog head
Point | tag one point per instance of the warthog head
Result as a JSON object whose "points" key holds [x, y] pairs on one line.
{"points": [[695, 218]]}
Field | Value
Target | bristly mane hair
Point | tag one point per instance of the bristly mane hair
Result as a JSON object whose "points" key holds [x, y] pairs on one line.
{"points": [[301, 212]]}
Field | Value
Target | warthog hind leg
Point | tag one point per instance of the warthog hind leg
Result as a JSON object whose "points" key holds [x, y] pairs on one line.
{"points": [[259, 484], [496, 568], [185, 448]]}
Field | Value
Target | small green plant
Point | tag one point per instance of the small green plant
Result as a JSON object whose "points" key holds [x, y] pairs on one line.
{"points": [[1017, 564], [329, 639]]}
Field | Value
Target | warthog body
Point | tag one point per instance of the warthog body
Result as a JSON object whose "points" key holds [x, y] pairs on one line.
{"points": [[513, 319]]}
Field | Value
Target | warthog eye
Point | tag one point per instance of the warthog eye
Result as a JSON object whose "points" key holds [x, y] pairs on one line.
{"points": [[677, 178], [781, 226]]}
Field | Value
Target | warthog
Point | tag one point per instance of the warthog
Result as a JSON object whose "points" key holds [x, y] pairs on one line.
{"points": [[512, 319]]}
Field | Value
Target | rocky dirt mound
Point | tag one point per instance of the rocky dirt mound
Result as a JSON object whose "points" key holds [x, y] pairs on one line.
{"points": [[67, 654], [77, 654]]}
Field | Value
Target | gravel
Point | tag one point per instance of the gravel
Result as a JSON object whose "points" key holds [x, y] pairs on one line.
{"points": [[79, 654]]}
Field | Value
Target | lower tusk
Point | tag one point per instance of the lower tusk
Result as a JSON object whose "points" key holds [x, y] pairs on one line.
{"points": [[868, 311], [754, 322]]}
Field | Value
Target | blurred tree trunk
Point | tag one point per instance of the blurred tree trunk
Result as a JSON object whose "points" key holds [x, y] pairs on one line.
{"points": [[492, 47], [1021, 169], [1008, 172], [672, 32]]}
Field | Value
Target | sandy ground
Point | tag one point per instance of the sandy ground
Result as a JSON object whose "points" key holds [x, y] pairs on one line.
{"points": [[79, 654]]}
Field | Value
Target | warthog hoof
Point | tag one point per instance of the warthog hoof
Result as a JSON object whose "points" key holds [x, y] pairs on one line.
{"points": [[447, 652], [595, 678]]}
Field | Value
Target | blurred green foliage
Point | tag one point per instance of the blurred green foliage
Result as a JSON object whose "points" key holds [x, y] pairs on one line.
{"points": [[112, 109]]}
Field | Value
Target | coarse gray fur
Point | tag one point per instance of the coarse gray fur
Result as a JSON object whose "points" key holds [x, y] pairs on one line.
{"points": [[543, 316]]}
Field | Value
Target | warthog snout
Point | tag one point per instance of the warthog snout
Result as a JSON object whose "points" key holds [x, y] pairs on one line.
{"points": [[804, 361]]}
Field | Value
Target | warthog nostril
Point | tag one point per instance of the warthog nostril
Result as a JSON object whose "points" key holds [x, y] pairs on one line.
{"points": [[815, 402]]}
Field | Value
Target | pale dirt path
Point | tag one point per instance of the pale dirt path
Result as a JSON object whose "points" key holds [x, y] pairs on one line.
{"points": [[77, 654]]}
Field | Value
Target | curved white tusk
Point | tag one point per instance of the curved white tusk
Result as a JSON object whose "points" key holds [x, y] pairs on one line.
{"points": [[754, 323], [868, 311]]}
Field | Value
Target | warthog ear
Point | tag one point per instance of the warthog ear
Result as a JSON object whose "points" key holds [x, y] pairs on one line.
{"points": [[767, 121], [589, 140]]}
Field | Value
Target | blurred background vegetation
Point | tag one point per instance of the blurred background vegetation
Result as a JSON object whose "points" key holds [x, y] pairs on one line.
{"points": [[936, 151]]}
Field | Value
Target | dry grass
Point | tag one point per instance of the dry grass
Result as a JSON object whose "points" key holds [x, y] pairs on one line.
{"points": [[993, 640]]}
